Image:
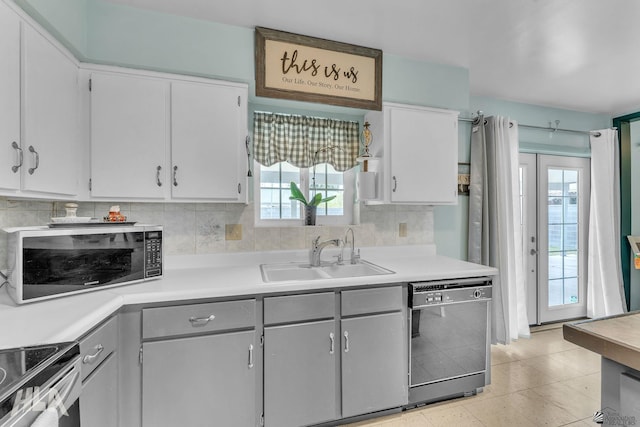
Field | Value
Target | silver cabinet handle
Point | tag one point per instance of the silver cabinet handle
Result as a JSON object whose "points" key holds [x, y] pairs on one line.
{"points": [[395, 184], [175, 172], [201, 321], [239, 188], [533, 252], [158, 169], [246, 143], [33, 150], [17, 147], [346, 341], [333, 343], [250, 356], [90, 358]]}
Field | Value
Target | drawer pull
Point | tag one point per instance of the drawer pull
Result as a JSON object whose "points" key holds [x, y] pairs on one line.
{"points": [[90, 358], [250, 356], [333, 343], [201, 321]]}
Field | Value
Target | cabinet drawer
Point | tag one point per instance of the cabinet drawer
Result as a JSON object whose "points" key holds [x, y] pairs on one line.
{"points": [[363, 301], [297, 308], [98, 345], [198, 318]]}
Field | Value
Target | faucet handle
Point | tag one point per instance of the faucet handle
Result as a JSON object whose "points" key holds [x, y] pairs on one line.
{"points": [[355, 257], [315, 241]]}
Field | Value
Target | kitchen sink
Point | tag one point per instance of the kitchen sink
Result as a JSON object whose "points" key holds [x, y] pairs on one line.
{"points": [[303, 271]]}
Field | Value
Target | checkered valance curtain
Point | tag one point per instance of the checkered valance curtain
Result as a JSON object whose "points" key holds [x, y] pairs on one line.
{"points": [[300, 139]]}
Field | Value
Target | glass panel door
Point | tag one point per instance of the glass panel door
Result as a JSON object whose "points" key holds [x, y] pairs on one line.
{"points": [[554, 197], [563, 201]]}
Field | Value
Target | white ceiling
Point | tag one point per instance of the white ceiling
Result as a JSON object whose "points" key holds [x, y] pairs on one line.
{"points": [[577, 54]]}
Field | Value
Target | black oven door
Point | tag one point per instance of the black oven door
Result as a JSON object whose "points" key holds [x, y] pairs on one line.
{"points": [[448, 341]]}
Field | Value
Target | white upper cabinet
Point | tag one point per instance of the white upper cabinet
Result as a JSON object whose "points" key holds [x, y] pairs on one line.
{"points": [[208, 131], [129, 132], [38, 112], [50, 111], [419, 147], [158, 136], [9, 99]]}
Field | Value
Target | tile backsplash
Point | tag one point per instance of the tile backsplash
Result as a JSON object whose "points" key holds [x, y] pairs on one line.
{"points": [[197, 228]]}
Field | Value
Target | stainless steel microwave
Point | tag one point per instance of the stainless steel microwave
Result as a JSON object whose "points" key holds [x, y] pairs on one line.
{"points": [[47, 262]]}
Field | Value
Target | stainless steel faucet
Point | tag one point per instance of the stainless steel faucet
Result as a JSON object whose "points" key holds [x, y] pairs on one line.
{"points": [[353, 257], [317, 247]]}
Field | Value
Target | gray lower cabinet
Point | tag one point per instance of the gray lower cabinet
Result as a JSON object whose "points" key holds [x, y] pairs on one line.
{"points": [[324, 361], [300, 374], [99, 368], [374, 363], [99, 399], [199, 381]]}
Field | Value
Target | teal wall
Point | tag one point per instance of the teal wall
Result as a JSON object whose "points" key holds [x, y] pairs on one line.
{"points": [[66, 19], [451, 222], [104, 32]]}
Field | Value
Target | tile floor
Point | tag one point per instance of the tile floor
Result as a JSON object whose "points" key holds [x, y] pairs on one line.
{"points": [[541, 381]]}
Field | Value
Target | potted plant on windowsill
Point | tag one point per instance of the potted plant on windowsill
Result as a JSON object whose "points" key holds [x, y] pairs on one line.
{"points": [[311, 206]]}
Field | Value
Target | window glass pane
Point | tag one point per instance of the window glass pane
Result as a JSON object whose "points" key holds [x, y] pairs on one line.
{"points": [[570, 237], [556, 292], [329, 182], [275, 191], [563, 236], [555, 265], [570, 291]]}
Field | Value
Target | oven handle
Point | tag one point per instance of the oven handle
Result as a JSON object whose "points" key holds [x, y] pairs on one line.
{"points": [[64, 394]]}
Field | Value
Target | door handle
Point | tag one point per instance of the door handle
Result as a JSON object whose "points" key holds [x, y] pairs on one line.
{"points": [[533, 252], [250, 356], [175, 178], [395, 184], [346, 341], [158, 169]]}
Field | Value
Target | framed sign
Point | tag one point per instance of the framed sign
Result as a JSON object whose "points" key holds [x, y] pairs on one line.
{"points": [[302, 68]]}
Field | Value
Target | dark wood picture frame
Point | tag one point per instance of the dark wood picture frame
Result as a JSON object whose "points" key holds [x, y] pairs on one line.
{"points": [[310, 92]]}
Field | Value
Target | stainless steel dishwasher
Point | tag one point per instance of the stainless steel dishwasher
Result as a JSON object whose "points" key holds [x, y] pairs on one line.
{"points": [[450, 338]]}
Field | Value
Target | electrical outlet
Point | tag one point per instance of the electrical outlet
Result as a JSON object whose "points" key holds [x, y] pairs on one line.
{"points": [[402, 229], [233, 231]]}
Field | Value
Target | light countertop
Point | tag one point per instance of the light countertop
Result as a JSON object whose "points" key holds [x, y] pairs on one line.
{"points": [[191, 277], [617, 338]]}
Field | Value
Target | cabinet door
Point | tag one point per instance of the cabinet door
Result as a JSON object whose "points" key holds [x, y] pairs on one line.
{"points": [[208, 127], [128, 136], [374, 363], [99, 399], [199, 381], [9, 99], [300, 374], [424, 156], [50, 86]]}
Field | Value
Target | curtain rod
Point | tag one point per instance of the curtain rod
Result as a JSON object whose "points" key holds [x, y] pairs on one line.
{"points": [[547, 128]]}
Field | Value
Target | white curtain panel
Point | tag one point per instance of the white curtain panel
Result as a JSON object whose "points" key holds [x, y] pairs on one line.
{"points": [[495, 236], [605, 291]]}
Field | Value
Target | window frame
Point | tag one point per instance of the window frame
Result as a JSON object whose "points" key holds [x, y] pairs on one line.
{"points": [[348, 177]]}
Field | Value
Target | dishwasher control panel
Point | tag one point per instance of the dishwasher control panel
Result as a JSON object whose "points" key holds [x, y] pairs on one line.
{"points": [[448, 292]]}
